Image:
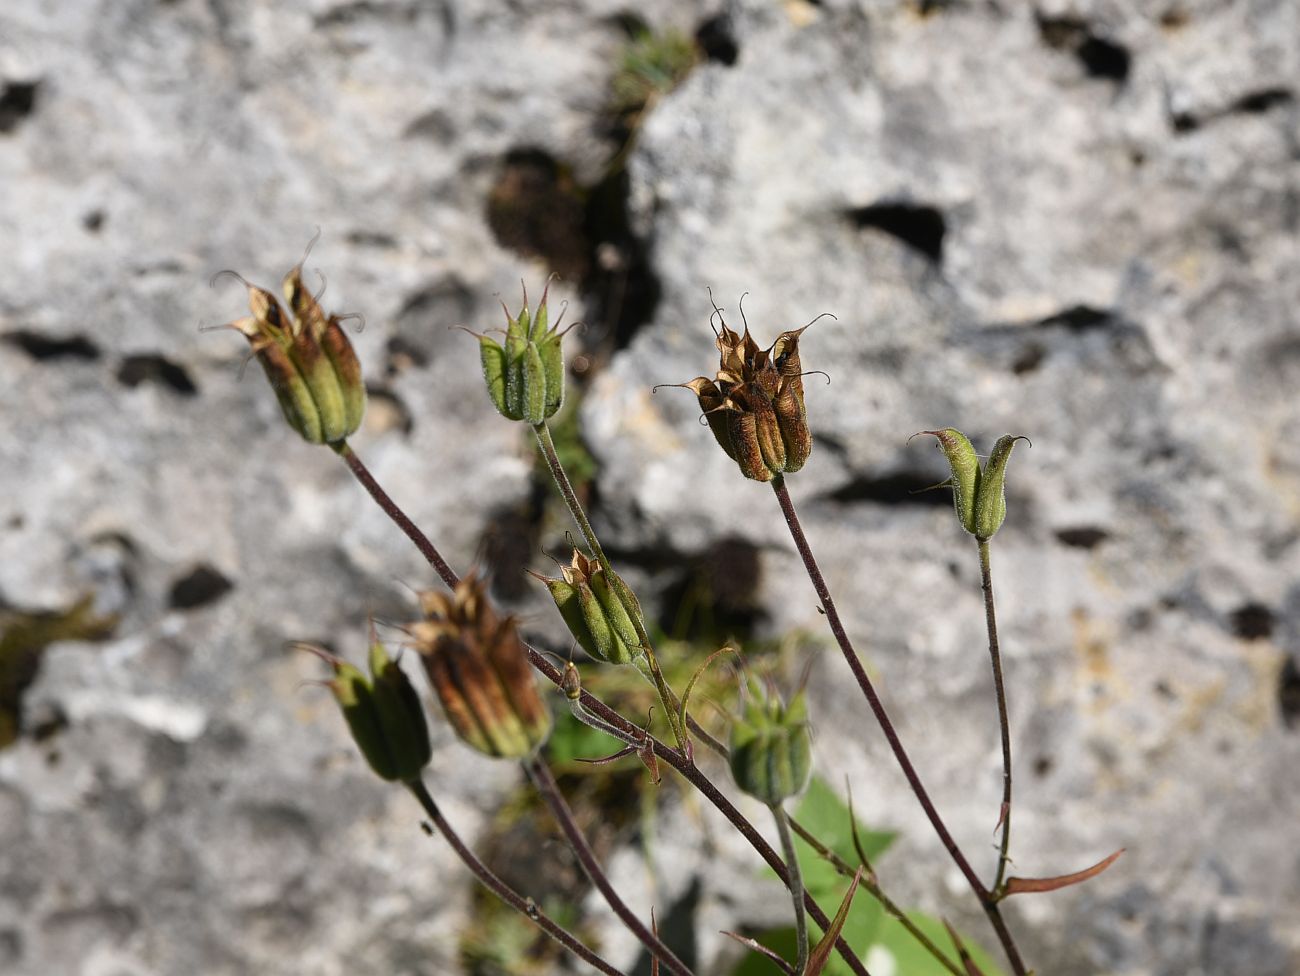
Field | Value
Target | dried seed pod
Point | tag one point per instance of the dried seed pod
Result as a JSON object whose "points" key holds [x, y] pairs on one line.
{"points": [[308, 360], [771, 749], [754, 404], [479, 670]]}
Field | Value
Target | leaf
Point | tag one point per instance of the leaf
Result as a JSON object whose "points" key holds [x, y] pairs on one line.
{"points": [[827, 817], [821, 952], [755, 946], [1020, 886], [910, 958]]}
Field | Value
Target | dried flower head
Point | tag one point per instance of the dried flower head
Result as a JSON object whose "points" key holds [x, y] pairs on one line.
{"points": [[308, 360], [479, 670], [754, 404]]}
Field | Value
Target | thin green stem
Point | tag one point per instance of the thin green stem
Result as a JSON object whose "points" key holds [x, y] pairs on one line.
{"points": [[986, 898], [1004, 723], [550, 794], [525, 906], [666, 697], [796, 888]]}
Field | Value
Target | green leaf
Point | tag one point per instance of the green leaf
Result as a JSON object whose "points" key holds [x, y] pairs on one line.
{"points": [[571, 740], [908, 955]]}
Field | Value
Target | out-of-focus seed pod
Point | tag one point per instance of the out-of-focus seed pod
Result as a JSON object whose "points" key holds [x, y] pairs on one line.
{"points": [[771, 749], [308, 360], [479, 670], [978, 491], [525, 373], [600, 610], [383, 713], [754, 404]]}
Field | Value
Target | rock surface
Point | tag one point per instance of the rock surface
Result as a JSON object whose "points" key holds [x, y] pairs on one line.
{"points": [[1075, 219]]}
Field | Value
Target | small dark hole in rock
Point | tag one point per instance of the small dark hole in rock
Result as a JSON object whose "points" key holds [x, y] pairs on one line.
{"points": [[1104, 59], [1078, 318], [899, 488], [386, 411], [716, 40], [1043, 765], [1288, 693], [1029, 359], [920, 227], [202, 585], [17, 101], [1261, 101], [148, 368], [403, 355], [1252, 621], [1082, 537], [45, 348], [48, 724], [94, 221]]}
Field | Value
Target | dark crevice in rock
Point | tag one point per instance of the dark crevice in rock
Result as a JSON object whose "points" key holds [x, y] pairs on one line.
{"points": [[44, 348], [1078, 318], [713, 595], [386, 411], [1082, 537], [1029, 358], [1100, 56], [17, 102], [1263, 100], [199, 587], [151, 368], [402, 354], [715, 38], [509, 542], [897, 488], [677, 929], [1288, 693], [537, 209], [1252, 621], [920, 227]]}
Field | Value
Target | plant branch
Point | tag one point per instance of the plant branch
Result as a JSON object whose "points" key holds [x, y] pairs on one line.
{"points": [[1004, 724], [550, 793], [489, 880], [666, 697], [391, 509], [796, 888], [986, 898]]}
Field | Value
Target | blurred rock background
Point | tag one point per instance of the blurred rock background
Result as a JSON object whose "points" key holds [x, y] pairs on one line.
{"points": [[1073, 219]]}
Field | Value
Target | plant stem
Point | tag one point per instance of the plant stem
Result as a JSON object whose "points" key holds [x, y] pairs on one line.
{"points": [[995, 656], [674, 757], [666, 697], [796, 888], [986, 898], [550, 793], [392, 510], [489, 880], [871, 882]]}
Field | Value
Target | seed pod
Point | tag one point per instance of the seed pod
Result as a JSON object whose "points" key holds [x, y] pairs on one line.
{"points": [[771, 749], [479, 670], [383, 713], [525, 374], [991, 502], [600, 610], [978, 491], [754, 405], [308, 360], [965, 465]]}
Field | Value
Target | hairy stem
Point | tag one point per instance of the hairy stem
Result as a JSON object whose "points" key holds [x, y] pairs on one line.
{"points": [[666, 697], [392, 510], [796, 888], [489, 880], [995, 656], [987, 900], [550, 793], [630, 733]]}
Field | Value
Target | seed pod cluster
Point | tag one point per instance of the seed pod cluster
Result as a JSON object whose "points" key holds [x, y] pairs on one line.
{"points": [[754, 405], [771, 749], [600, 610], [525, 376], [978, 491], [383, 713], [308, 360], [479, 670]]}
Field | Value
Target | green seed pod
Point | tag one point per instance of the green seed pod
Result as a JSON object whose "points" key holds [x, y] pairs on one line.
{"points": [[383, 714], [308, 359], [965, 465], [991, 499], [479, 670], [771, 749], [525, 374], [600, 611]]}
